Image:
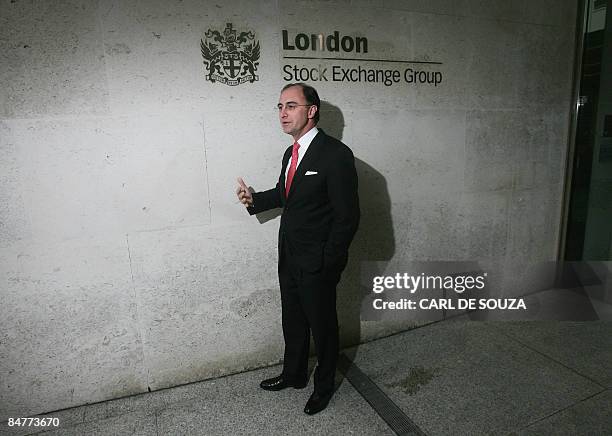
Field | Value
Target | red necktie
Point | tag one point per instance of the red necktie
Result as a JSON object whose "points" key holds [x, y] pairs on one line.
{"points": [[292, 167]]}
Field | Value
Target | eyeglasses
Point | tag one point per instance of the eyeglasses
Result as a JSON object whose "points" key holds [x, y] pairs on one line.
{"points": [[290, 106]]}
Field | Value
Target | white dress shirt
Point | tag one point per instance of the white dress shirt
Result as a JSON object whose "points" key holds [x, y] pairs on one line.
{"points": [[304, 142]]}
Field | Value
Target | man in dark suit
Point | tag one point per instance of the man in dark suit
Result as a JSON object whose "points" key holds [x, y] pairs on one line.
{"points": [[317, 189]]}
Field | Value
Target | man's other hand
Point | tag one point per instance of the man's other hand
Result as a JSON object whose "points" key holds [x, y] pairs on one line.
{"points": [[244, 193]]}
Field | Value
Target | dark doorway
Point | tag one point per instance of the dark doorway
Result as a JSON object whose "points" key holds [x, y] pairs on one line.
{"points": [[589, 219]]}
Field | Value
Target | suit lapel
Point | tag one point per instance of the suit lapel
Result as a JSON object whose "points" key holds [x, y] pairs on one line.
{"points": [[311, 156], [286, 159]]}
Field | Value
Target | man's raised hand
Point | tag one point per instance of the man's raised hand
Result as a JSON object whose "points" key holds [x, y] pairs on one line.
{"points": [[244, 193]]}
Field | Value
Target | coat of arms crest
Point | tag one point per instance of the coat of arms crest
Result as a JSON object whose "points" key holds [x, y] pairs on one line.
{"points": [[231, 57]]}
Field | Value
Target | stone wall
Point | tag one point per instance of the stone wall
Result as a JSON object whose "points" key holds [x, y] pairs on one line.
{"points": [[127, 263]]}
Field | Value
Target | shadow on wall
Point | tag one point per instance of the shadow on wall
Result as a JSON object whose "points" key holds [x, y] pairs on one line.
{"points": [[374, 240]]}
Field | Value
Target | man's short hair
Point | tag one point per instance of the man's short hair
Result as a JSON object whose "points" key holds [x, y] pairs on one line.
{"points": [[311, 96]]}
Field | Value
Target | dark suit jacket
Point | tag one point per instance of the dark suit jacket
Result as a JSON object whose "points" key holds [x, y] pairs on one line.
{"points": [[321, 213]]}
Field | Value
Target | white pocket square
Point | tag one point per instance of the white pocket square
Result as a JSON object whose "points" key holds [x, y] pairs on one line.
{"points": [[311, 173]]}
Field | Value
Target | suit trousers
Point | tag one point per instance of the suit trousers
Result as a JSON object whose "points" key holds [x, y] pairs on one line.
{"points": [[308, 301]]}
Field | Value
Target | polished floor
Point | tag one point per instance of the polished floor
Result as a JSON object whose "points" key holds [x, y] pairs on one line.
{"points": [[446, 378]]}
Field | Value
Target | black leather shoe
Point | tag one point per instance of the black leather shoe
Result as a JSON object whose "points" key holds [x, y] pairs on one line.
{"points": [[316, 403], [280, 382]]}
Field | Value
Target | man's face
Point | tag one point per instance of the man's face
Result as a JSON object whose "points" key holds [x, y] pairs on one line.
{"points": [[296, 117]]}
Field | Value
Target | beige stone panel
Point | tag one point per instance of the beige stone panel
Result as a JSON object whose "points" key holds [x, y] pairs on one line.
{"points": [[14, 216], [52, 59], [112, 175], [546, 68], [441, 7], [519, 65], [416, 152], [70, 326], [513, 149], [543, 12], [209, 300], [533, 234], [484, 219], [496, 66]]}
